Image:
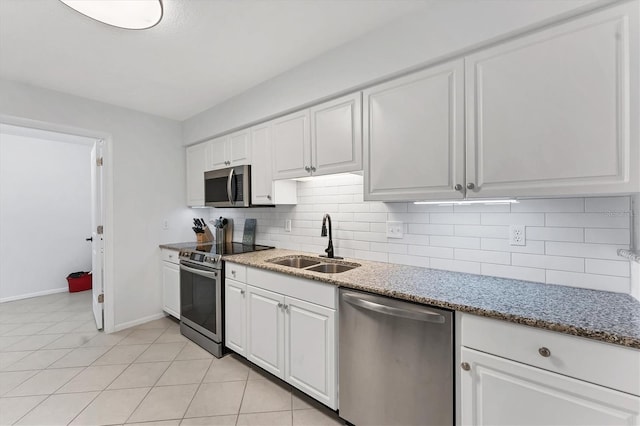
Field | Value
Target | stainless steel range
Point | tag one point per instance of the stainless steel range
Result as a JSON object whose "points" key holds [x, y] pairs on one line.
{"points": [[201, 292]]}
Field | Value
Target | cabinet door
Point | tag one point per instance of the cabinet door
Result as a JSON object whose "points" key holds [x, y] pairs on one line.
{"points": [[290, 139], [218, 153], [310, 350], [171, 288], [414, 136], [239, 148], [196, 166], [550, 114], [261, 169], [336, 136], [496, 391], [235, 316], [265, 330]]}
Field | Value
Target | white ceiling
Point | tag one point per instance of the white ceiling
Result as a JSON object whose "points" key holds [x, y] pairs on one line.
{"points": [[201, 53]]}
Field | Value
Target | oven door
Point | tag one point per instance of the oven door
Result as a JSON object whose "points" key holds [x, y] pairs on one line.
{"points": [[228, 187], [201, 299]]}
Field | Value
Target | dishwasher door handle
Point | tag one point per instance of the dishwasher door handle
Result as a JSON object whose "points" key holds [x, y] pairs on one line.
{"points": [[414, 314]]}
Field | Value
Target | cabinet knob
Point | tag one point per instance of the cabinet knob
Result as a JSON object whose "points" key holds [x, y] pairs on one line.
{"points": [[313, 169], [233, 272], [458, 187], [268, 197], [307, 168], [242, 292], [465, 366], [545, 352], [279, 305], [470, 185]]}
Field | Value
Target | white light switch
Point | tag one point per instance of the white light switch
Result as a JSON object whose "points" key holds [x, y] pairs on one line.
{"points": [[394, 229]]}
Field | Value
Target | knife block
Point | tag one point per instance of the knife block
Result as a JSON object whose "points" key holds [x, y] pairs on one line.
{"points": [[205, 237]]}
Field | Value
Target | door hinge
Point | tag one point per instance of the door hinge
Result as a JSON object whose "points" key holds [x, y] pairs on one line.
{"points": [[101, 298], [99, 230], [99, 161]]}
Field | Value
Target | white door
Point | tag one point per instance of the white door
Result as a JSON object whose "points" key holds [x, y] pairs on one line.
{"points": [[265, 330], [497, 391], [550, 113], [217, 154], [290, 141], [310, 351], [414, 136], [239, 148], [261, 182], [235, 316], [97, 242], [336, 135]]}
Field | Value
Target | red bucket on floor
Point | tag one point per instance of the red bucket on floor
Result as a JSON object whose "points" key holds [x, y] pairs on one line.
{"points": [[79, 281]]}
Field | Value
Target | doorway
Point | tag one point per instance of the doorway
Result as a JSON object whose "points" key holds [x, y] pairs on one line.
{"points": [[52, 194]]}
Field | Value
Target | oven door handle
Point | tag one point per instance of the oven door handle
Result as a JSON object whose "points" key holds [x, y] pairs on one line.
{"points": [[212, 275]]}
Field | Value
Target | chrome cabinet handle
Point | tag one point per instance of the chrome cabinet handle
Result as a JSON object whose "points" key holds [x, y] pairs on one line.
{"points": [[465, 366], [470, 185], [232, 202], [458, 187], [545, 352]]}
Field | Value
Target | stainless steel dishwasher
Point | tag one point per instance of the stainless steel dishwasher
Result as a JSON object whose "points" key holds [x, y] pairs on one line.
{"points": [[395, 362]]}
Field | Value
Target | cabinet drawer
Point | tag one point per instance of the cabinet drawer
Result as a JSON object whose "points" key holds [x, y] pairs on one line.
{"points": [[235, 272], [169, 255], [307, 290], [613, 366]]}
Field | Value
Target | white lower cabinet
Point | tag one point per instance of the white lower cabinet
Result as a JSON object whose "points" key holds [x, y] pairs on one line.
{"points": [[235, 329], [292, 338], [516, 375], [171, 283]]}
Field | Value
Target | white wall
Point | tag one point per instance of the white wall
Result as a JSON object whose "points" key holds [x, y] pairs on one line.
{"points": [[439, 31], [569, 241], [45, 199], [145, 185]]}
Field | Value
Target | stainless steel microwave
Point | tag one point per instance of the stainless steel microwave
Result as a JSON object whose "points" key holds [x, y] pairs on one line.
{"points": [[229, 187]]}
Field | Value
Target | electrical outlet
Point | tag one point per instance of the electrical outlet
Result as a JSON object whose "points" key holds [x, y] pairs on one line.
{"points": [[394, 229], [165, 224], [287, 225], [517, 235]]}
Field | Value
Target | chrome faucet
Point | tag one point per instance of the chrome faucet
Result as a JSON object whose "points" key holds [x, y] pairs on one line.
{"points": [[323, 233]]}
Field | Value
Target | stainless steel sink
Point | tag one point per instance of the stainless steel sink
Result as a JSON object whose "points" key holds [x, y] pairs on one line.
{"points": [[331, 268], [295, 262], [325, 266]]}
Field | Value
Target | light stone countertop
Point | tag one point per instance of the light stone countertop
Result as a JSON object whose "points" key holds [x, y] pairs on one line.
{"points": [[600, 315]]}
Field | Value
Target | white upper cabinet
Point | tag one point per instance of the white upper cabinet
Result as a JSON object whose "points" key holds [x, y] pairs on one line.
{"points": [[336, 136], [291, 145], [322, 140], [414, 133], [264, 190], [196, 166], [230, 150], [551, 113]]}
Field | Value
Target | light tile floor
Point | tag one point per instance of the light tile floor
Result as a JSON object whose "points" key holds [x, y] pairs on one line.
{"points": [[57, 369]]}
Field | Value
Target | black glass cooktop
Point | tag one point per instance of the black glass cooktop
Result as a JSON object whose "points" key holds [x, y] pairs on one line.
{"points": [[228, 248]]}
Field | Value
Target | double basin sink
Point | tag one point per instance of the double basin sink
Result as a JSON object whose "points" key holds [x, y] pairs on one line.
{"points": [[308, 263]]}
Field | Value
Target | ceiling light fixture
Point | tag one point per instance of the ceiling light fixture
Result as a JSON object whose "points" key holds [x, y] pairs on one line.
{"points": [[467, 202], [127, 14]]}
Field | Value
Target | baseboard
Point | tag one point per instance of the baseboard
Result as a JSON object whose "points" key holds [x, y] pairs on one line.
{"points": [[138, 321], [36, 294]]}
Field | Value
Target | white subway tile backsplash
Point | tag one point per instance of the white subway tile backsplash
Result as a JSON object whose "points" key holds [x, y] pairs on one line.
{"points": [[608, 267], [456, 265], [555, 234], [587, 220], [560, 263], [594, 251], [608, 204], [429, 229], [482, 231], [607, 236], [574, 205], [529, 219], [456, 219], [592, 281], [515, 272], [570, 241], [455, 242], [483, 256]]}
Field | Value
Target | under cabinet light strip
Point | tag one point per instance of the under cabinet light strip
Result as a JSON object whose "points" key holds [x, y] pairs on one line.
{"points": [[467, 202]]}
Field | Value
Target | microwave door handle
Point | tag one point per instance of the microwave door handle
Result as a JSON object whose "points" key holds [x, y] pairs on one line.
{"points": [[229, 180]]}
